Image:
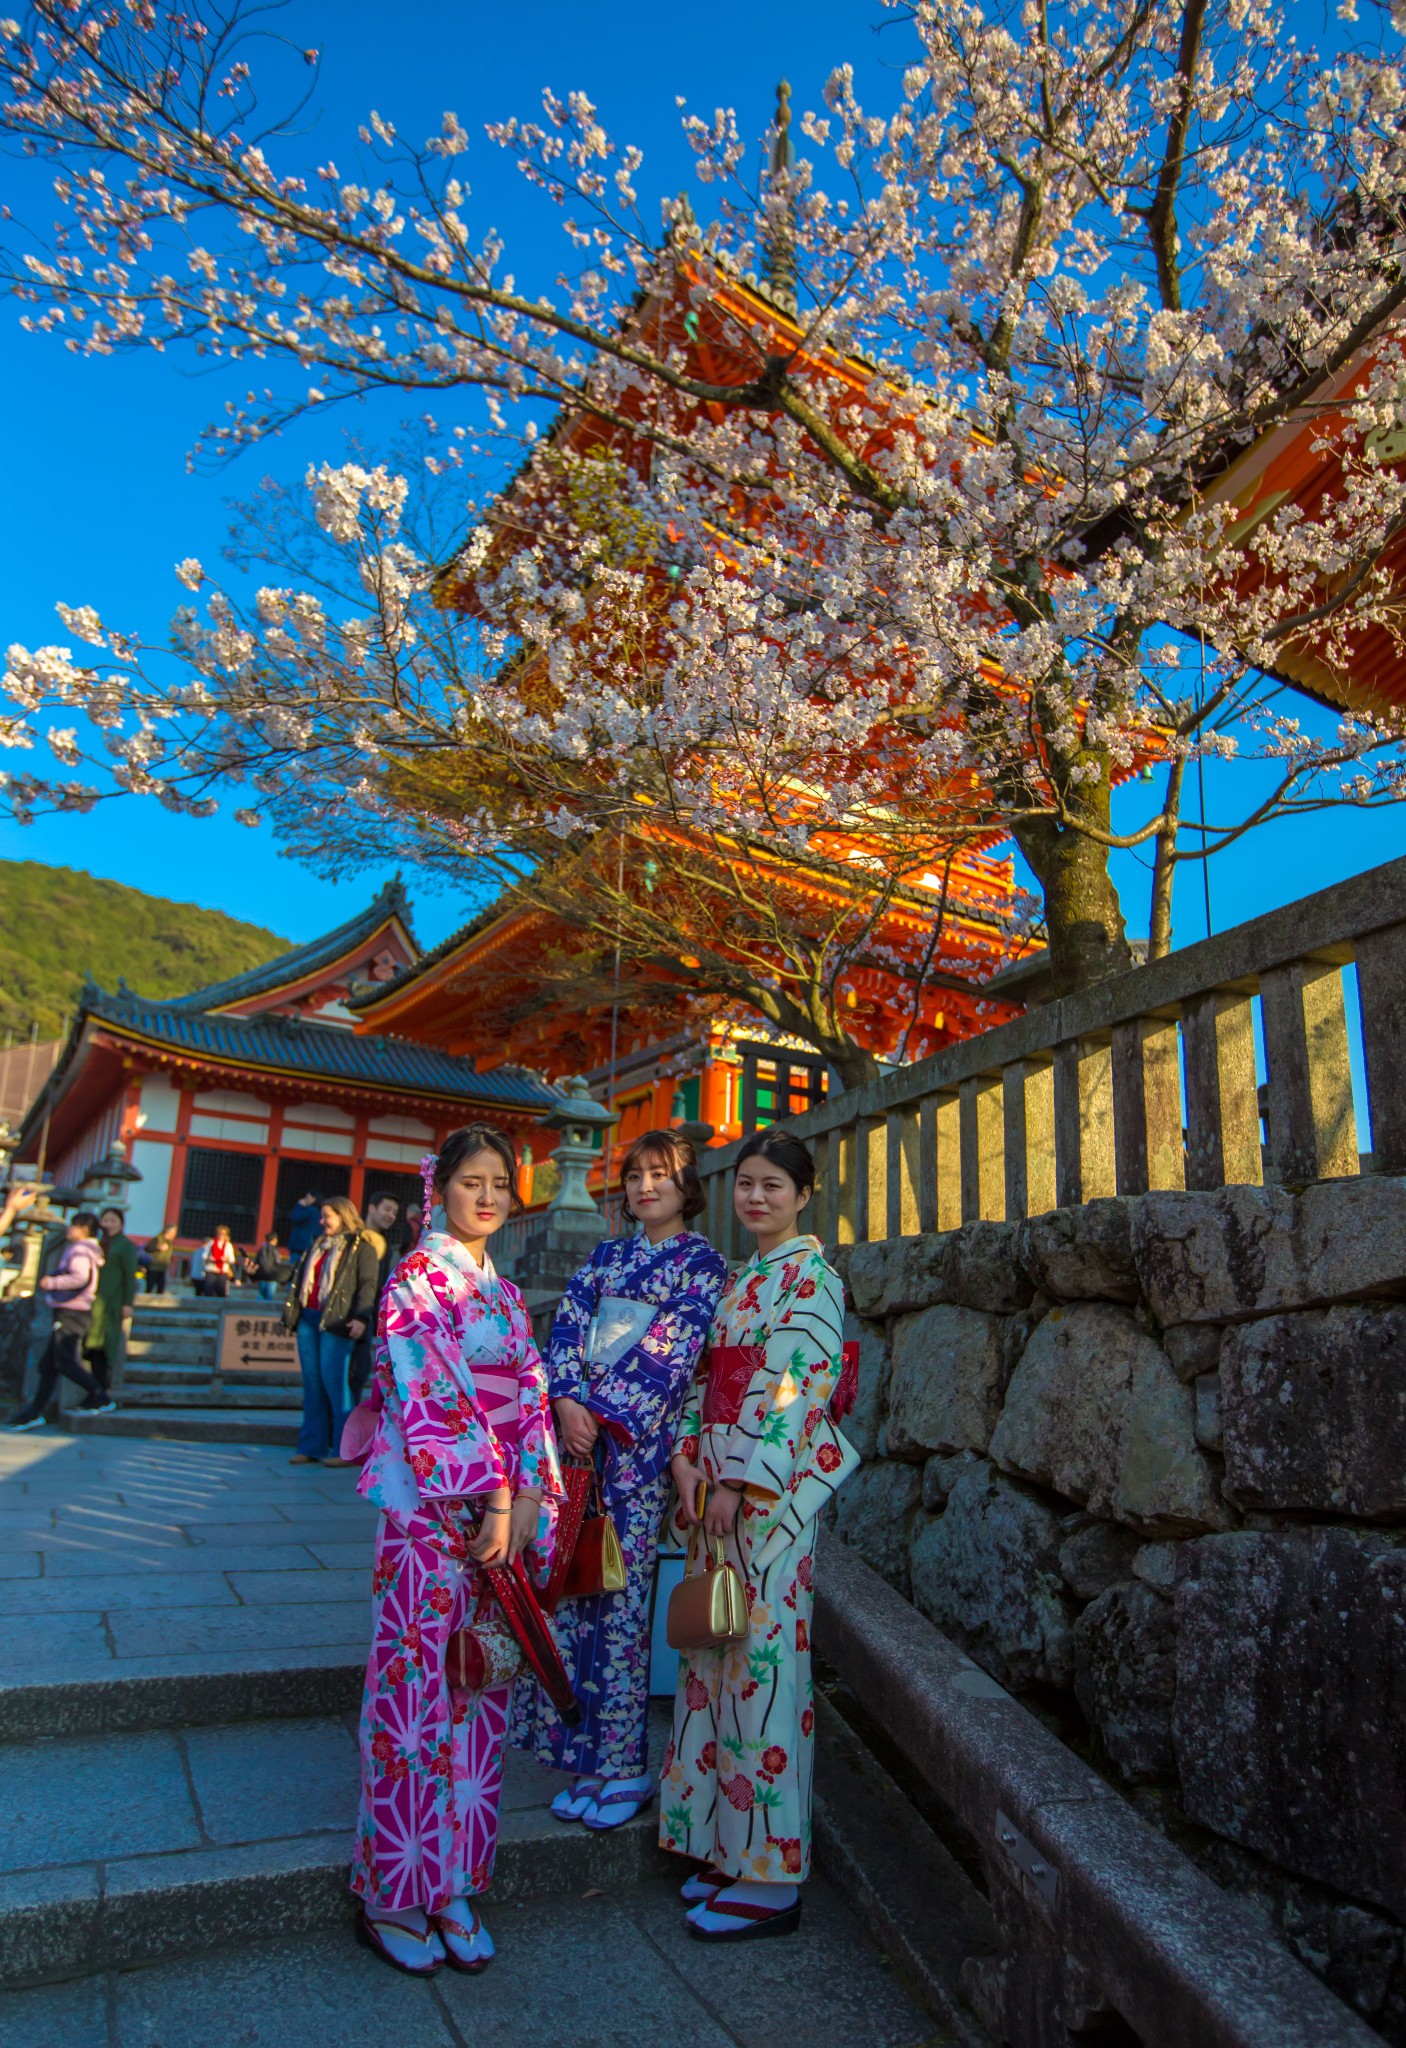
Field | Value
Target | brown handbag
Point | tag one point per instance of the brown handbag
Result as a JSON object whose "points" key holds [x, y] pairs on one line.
{"points": [[483, 1653], [707, 1608], [597, 1561]]}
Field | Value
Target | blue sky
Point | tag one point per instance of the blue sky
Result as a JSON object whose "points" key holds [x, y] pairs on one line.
{"points": [[100, 503]]}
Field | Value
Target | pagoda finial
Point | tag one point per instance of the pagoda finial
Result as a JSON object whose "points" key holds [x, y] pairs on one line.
{"points": [[783, 156], [780, 266]]}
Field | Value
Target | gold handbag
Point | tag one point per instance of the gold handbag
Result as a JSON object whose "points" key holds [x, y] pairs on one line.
{"points": [[707, 1608]]}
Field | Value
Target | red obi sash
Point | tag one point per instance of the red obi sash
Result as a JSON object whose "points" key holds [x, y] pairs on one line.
{"points": [[730, 1370]]}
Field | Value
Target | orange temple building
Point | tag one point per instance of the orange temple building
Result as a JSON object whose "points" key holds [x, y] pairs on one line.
{"points": [[236, 1100], [653, 1046]]}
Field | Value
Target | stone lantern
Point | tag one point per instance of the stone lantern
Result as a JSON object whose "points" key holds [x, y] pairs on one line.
{"points": [[572, 1223], [106, 1183]]}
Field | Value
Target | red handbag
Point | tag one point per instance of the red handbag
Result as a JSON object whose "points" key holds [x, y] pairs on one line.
{"points": [[597, 1561]]}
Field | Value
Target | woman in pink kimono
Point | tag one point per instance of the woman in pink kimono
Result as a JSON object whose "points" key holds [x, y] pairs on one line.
{"points": [[758, 1436], [464, 1470]]}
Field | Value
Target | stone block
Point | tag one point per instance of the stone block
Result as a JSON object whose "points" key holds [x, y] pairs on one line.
{"points": [[1125, 1678], [1016, 1335], [875, 1514], [1193, 1348], [1205, 1393], [1083, 1253], [1240, 1252], [983, 1271], [87, 1799], [861, 1425], [865, 1270], [987, 1573], [72, 2015], [1313, 1408], [916, 1274], [268, 1778], [1095, 1412], [1156, 1565], [945, 1385], [48, 1921], [940, 1475], [1098, 1555], [1290, 1717]]}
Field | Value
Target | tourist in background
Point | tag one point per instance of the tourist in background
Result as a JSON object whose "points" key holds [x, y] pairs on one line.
{"points": [[105, 1345], [623, 1349], [382, 1217], [70, 1290], [757, 1431], [415, 1223], [219, 1261], [328, 1308], [459, 1466], [156, 1260], [302, 1224], [267, 1268]]}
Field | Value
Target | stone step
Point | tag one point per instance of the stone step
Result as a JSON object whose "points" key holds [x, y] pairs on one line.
{"points": [[167, 1844], [590, 1969], [174, 1349], [190, 1690], [266, 1424], [156, 1373], [188, 1315], [216, 1395]]}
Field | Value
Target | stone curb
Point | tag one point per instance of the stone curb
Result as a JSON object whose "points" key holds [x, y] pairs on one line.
{"points": [[1184, 1963], [908, 1892], [82, 1919], [246, 1691]]}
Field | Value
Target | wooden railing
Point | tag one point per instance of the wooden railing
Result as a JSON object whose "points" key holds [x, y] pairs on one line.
{"points": [[1145, 1081]]}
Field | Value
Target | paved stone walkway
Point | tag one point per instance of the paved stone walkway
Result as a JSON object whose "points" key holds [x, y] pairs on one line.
{"points": [[122, 1558], [613, 1970], [201, 1564]]}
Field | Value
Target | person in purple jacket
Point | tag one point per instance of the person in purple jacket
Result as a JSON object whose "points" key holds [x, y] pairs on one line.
{"points": [[70, 1288]]}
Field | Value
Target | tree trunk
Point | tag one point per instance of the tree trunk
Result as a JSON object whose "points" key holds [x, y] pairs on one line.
{"points": [[1087, 940], [854, 1064], [1159, 924]]}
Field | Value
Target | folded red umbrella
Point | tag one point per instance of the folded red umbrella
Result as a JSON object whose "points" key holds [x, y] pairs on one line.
{"points": [[578, 1480], [516, 1595], [521, 1609]]}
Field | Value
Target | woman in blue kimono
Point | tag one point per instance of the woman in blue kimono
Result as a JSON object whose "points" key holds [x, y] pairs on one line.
{"points": [[623, 1349]]}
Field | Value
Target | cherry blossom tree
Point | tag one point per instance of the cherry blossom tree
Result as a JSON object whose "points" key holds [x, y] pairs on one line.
{"points": [[921, 538]]}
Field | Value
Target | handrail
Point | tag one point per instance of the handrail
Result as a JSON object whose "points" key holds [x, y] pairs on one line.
{"points": [[1179, 1959], [1147, 1080]]}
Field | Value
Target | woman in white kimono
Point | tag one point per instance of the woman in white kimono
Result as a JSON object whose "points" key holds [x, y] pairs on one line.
{"points": [[757, 1434]]}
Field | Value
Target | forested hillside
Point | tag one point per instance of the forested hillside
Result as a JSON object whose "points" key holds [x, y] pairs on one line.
{"points": [[58, 925]]}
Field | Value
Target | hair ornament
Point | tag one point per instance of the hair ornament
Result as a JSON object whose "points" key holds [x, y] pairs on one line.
{"points": [[429, 1165]]}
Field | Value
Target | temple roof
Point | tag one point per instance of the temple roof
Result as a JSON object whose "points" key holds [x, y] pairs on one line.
{"points": [[303, 962], [300, 1046], [366, 998]]}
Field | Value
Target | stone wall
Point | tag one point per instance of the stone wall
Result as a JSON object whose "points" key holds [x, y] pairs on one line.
{"points": [[1146, 1461]]}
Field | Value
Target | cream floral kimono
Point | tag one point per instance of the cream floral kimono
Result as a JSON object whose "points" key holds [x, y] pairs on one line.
{"points": [[736, 1787]]}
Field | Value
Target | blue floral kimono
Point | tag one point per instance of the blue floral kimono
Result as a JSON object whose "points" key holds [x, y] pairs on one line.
{"points": [[638, 1399]]}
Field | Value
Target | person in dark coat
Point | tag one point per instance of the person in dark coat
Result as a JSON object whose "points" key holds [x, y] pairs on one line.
{"points": [[302, 1224], [328, 1307], [382, 1227], [105, 1345]]}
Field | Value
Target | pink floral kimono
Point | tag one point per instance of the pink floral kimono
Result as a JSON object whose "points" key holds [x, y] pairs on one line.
{"points": [[464, 1410]]}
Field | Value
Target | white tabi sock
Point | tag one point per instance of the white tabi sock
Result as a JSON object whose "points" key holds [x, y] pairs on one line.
{"points": [[619, 1800]]}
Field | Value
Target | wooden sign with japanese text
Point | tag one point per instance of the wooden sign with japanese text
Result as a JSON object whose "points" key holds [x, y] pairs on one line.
{"points": [[256, 1343]]}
